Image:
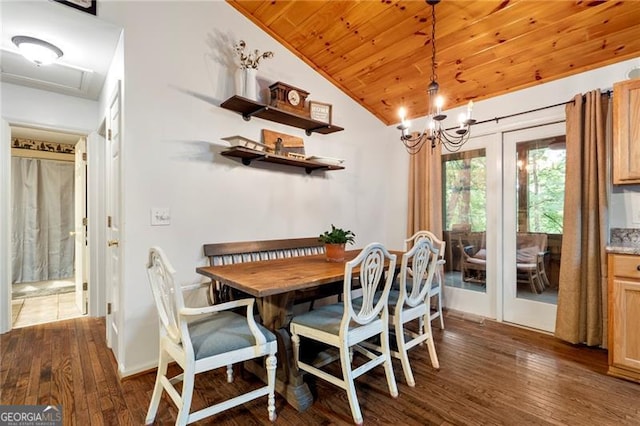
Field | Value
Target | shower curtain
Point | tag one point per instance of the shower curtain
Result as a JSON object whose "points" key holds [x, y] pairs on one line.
{"points": [[42, 218]]}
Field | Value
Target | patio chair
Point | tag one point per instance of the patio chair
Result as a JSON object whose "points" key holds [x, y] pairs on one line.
{"points": [[473, 261], [530, 260]]}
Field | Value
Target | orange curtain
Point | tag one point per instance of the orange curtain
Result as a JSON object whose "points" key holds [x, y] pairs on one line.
{"points": [[582, 296], [425, 191]]}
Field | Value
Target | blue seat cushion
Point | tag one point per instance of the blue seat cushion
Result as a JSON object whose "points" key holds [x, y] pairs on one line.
{"points": [[223, 332], [326, 318]]}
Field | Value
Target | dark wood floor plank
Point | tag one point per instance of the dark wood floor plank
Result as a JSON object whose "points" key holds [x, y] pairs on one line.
{"points": [[44, 385], [38, 346], [490, 373], [80, 407]]}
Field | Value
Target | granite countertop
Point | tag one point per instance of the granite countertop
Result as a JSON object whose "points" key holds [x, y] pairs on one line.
{"points": [[624, 241], [623, 248]]}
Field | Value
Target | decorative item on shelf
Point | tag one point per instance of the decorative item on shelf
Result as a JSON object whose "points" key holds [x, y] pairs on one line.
{"points": [[288, 98], [246, 78], [434, 131], [296, 156], [38, 145], [282, 144], [335, 241], [320, 111], [325, 160], [246, 143]]}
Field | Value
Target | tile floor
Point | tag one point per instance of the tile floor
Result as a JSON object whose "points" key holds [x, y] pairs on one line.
{"points": [[42, 309]]}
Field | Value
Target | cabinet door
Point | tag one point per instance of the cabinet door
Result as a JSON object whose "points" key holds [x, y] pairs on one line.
{"points": [[626, 132], [626, 320]]}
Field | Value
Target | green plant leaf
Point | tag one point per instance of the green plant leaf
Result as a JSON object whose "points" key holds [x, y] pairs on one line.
{"points": [[337, 236]]}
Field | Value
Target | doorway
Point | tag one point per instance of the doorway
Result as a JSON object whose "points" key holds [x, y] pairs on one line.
{"points": [[502, 223], [45, 220]]}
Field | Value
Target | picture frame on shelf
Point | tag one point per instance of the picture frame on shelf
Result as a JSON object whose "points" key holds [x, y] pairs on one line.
{"points": [[320, 111], [88, 6], [281, 143]]}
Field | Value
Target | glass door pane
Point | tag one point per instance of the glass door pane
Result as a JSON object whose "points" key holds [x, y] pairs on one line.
{"points": [[540, 203], [465, 221]]}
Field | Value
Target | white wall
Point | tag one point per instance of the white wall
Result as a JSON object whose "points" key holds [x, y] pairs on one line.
{"points": [[39, 108], [177, 71]]}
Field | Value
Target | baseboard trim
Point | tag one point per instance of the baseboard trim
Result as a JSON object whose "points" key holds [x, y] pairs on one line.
{"points": [[132, 374]]}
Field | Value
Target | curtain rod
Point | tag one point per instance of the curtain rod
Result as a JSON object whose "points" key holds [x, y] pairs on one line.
{"points": [[497, 119]]}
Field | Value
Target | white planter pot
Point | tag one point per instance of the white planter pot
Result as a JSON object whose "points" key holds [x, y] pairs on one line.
{"points": [[251, 83]]}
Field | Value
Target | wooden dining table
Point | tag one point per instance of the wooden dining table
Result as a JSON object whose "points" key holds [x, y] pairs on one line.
{"points": [[277, 284]]}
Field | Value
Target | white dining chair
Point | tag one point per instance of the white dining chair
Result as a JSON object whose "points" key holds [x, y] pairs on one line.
{"points": [[408, 302], [343, 327], [411, 303], [438, 281], [204, 339]]}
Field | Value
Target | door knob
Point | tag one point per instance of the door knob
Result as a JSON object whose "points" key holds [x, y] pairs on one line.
{"points": [[112, 243]]}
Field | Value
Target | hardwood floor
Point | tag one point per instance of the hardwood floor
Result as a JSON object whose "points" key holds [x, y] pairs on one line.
{"points": [[491, 373]]}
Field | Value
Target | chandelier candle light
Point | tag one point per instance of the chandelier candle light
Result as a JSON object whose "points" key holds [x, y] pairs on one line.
{"points": [[434, 131]]}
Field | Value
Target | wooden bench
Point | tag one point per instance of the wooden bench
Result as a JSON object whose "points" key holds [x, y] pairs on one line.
{"points": [[252, 251]]}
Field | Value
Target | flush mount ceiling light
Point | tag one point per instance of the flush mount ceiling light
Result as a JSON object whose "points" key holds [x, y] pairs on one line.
{"points": [[37, 51]]}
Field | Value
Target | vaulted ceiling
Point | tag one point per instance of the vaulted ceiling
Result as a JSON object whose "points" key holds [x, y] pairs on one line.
{"points": [[379, 51]]}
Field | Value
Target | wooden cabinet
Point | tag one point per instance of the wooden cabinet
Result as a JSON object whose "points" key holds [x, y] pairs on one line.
{"points": [[624, 316], [626, 132]]}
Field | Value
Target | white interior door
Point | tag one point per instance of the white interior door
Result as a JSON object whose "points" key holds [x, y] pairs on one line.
{"points": [[80, 218], [526, 189], [114, 220]]}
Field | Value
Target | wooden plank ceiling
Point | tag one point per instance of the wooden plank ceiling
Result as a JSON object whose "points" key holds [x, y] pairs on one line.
{"points": [[379, 51]]}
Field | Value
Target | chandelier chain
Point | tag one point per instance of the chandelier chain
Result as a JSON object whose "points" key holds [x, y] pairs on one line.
{"points": [[434, 132], [434, 76]]}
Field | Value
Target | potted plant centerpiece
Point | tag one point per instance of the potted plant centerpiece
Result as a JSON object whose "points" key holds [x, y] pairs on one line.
{"points": [[335, 241]]}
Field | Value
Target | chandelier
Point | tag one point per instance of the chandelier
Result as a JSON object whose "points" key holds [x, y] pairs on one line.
{"points": [[434, 132]]}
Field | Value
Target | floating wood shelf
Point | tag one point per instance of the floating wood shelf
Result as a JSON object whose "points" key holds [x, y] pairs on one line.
{"points": [[248, 108], [248, 155]]}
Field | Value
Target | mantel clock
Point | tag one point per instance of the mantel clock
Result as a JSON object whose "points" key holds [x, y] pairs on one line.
{"points": [[288, 98]]}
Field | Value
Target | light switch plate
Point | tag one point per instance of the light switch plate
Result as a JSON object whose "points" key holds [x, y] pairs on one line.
{"points": [[160, 216]]}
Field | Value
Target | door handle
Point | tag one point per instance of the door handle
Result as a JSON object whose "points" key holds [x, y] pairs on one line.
{"points": [[112, 243]]}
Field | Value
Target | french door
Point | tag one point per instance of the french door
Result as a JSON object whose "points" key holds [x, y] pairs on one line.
{"points": [[534, 170], [470, 227], [502, 200]]}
